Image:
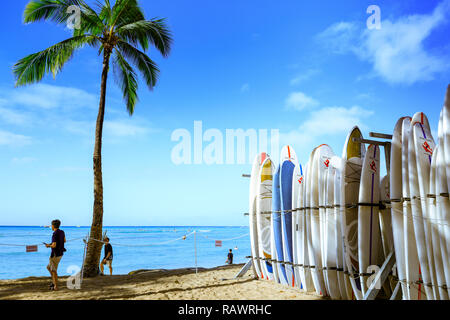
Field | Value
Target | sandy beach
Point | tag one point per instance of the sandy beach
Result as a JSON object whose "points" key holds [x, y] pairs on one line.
{"points": [[179, 284]]}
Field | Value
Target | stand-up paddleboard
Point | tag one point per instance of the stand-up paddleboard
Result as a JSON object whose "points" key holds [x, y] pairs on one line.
{"points": [[420, 150], [385, 217], [320, 164], [252, 211], [297, 180], [303, 255], [344, 283], [435, 221], [443, 205], [353, 155], [396, 191], [369, 235], [277, 240], [415, 290], [330, 239], [288, 161], [263, 215]]}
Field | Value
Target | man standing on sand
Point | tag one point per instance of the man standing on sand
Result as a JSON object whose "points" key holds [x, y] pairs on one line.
{"points": [[230, 257], [108, 257], [57, 246]]}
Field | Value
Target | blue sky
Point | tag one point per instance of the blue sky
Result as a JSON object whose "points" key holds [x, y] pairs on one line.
{"points": [[311, 69]]}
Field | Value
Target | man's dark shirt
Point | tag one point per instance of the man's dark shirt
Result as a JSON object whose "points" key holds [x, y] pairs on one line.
{"points": [[58, 238], [230, 258], [108, 248]]}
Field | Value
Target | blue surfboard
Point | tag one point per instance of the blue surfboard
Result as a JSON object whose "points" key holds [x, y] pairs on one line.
{"points": [[286, 174], [276, 224]]}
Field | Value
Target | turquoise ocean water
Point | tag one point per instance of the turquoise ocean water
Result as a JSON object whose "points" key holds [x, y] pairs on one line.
{"points": [[165, 251]]}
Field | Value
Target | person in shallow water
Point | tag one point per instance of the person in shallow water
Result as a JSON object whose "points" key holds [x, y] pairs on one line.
{"points": [[230, 257], [108, 259], [57, 246]]}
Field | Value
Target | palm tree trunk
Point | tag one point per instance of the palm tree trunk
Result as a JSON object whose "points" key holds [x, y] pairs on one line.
{"points": [[94, 248]]}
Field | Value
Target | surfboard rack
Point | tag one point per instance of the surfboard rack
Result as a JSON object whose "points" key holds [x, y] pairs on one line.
{"points": [[244, 269]]}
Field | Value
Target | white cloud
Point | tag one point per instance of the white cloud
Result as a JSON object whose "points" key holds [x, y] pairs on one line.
{"points": [[245, 87], [306, 75], [327, 125], [396, 51], [12, 117], [23, 160], [12, 139], [111, 128], [300, 101], [50, 97]]}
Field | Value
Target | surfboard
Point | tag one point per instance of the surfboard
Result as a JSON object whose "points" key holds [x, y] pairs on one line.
{"points": [[435, 221], [320, 164], [305, 270], [442, 210], [252, 212], [297, 180], [415, 290], [288, 161], [345, 288], [396, 193], [353, 155], [369, 234], [263, 215], [277, 241], [330, 239], [420, 150]]}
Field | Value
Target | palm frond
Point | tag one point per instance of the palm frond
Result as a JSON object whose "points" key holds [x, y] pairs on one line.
{"points": [[126, 12], [153, 31], [126, 78], [53, 10], [146, 66], [34, 67]]}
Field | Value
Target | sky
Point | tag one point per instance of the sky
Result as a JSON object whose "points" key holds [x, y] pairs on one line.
{"points": [[310, 69]]}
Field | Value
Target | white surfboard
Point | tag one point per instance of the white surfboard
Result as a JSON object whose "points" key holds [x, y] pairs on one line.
{"points": [[420, 149], [302, 248], [345, 288], [435, 221], [320, 165], [369, 234], [415, 290], [353, 155], [330, 239], [263, 215], [443, 206], [252, 212], [297, 180], [396, 195]]}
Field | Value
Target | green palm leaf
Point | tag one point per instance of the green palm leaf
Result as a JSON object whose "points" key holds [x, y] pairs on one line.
{"points": [[34, 67], [127, 80]]}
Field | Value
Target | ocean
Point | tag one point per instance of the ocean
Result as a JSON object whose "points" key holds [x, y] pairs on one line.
{"points": [[134, 248]]}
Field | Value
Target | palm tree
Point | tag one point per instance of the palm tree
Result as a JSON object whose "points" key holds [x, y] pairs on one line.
{"points": [[119, 31]]}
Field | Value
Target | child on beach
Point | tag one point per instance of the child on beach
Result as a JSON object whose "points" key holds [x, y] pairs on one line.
{"points": [[57, 246], [108, 257], [230, 257]]}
